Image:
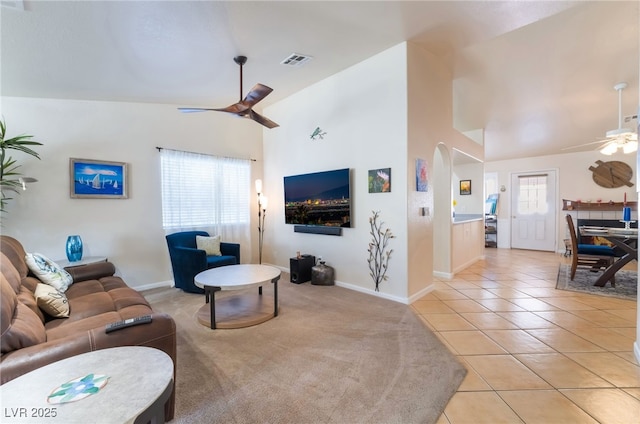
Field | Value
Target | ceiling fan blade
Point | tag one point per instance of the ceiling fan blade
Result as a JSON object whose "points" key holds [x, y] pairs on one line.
{"points": [[237, 108], [257, 93], [192, 109], [261, 119], [586, 144]]}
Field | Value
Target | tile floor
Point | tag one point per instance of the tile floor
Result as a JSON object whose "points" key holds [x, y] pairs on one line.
{"points": [[534, 354]]}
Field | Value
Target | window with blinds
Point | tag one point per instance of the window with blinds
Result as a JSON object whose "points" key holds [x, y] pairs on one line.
{"points": [[203, 191]]}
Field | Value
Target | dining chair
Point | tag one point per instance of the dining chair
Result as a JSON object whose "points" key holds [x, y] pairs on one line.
{"points": [[593, 256]]}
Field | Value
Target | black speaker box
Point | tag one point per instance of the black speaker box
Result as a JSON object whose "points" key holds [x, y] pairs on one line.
{"points": [[300, 268]]}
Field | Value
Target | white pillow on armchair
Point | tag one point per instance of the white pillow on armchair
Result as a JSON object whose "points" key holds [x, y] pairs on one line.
{"points": [[211, 245]]}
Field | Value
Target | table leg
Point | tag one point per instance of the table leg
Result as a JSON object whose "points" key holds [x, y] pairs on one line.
{"points": [[608, 273], [275, 296], [209, 295]]}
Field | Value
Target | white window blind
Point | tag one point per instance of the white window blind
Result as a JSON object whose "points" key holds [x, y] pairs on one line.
{"points": [[205, 192]]}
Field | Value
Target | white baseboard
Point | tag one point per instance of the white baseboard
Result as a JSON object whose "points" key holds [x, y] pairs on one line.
{"points": [[372, 292], [421, 293], [443, 275], [168, 283]]}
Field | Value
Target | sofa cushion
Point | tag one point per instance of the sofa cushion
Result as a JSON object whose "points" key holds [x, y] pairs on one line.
{"points": [[22, 286], [48, 271], [52, 301], [27, 295], [15, 253], [109, 295], [211, 245], [21, 327], [10, 273]]}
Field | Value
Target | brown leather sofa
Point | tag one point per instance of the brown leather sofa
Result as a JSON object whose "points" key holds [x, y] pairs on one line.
{"points": [[30, 339]]}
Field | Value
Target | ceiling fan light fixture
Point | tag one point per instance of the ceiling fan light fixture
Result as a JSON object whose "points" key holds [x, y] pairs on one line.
{"points": [[630, 147], [609, 149]]}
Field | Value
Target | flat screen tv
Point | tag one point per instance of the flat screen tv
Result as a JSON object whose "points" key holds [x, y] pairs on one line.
{"points": [[320, 198]]}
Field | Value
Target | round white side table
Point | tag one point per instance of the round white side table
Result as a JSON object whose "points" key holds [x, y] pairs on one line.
{"points": [[140, 382]]}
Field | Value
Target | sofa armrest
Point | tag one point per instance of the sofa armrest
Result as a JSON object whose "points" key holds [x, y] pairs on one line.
{"points": [[230, 249], [160, 334], [92, 271]]}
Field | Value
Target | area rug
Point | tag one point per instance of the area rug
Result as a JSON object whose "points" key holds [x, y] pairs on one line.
{"points": [[332, 355], [626, 283]]}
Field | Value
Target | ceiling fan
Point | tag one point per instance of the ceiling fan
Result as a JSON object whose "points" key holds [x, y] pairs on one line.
{"points": [[244, 107], [620, 138]]}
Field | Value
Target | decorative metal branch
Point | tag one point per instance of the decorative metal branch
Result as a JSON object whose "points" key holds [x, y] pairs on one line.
{"points": [[378, 254]]}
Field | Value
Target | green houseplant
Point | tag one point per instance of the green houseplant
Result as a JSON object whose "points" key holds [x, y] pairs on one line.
{"points": [[9, 174]]}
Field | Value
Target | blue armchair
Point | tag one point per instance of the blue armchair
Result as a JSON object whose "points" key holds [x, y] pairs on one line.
{"points": [[187, 260]]}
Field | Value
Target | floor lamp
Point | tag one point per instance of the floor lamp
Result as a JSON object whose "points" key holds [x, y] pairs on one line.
{"points": [[262, 212]]}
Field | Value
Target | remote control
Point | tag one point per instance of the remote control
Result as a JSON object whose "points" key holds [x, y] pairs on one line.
{"points": [[113, 326]]}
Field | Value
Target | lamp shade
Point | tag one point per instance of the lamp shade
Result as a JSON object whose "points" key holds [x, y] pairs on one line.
{"points": [[263, 202], [258, 186]]}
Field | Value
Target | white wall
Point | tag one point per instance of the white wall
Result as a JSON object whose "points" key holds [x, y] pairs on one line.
{"points": [[363, 111], [473, 203], [430, 123], [129, 232], [574, 182], [384, 112]]}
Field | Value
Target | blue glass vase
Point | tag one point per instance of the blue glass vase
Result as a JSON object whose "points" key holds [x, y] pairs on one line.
{"points": [[74, 248]]}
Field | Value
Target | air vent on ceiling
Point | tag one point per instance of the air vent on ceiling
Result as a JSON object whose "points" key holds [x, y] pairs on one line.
{"points": [[296, 59]]}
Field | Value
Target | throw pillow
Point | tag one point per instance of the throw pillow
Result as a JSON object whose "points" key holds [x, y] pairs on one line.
{"points": [[48, 271], [211, 245], [52, 301]]}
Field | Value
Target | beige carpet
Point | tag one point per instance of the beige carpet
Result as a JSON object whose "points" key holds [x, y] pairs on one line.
{"points": [[332, 355]]}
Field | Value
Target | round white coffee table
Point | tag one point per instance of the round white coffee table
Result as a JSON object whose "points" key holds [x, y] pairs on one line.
{"points": [[241, 310], [140, 382]]}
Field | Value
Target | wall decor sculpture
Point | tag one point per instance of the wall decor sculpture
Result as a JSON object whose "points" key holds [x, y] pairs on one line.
{"points": [[379, 255]]}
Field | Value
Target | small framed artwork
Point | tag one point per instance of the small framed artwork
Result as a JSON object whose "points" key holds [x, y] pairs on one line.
{"points": [[380, 180], [465, 187], [98, 179], [421, 175]]}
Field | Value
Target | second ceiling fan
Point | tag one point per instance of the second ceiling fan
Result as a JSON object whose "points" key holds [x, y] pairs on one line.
{"points": [[244, 107]]}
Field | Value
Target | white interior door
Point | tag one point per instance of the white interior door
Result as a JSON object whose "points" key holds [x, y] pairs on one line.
{"points": [[533, 211]]}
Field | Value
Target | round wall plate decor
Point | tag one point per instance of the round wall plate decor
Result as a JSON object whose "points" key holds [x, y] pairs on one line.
{"points": [[612, 174]]}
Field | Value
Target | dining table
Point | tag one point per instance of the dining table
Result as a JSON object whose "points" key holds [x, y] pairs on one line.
{"points": [[624, 238]]}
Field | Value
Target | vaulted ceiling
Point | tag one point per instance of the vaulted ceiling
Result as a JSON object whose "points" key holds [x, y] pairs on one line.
{"points": [[536, 76]]}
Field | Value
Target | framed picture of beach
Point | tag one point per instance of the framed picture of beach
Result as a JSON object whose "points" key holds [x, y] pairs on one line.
{"points": [[98, 179]]}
